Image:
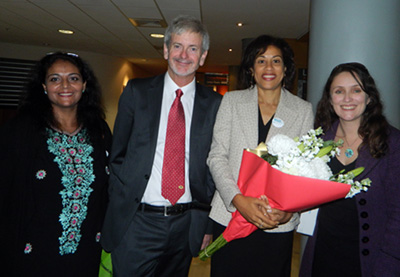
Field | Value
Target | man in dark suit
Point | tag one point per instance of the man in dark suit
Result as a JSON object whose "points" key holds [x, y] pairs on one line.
{"points": [[149, 232]]}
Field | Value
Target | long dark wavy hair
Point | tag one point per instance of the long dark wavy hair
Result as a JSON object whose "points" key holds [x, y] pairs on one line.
{"points": [[256, 48], [374, 125], [36, 104]]}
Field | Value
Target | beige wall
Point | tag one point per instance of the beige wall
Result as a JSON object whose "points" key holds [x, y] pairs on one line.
{"points": [[112, 72]]}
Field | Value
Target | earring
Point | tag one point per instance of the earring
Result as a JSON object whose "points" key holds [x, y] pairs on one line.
{"points": [[83, 91], [45, 92]]}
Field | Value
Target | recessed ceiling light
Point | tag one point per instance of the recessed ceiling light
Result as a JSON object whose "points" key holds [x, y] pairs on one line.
{"points": [[65, 32], [230, 50], [157, 35], [239, 24]]}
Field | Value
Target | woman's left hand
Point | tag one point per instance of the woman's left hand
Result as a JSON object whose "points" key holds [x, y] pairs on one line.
{"points": [[280, 216], [277, 215]]}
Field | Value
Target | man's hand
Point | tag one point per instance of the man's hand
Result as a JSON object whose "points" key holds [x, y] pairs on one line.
{"points": [[206, 241]]}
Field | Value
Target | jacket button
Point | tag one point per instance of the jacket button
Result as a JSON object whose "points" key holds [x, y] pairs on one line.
{"points": [[365, 252], [364, 214], [365, 239], [147, 177], [362, 201], [137, 200], [365, 226]]}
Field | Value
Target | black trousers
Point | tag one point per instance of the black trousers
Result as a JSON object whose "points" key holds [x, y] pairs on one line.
{"points": [[259, 254], [154, 245]]}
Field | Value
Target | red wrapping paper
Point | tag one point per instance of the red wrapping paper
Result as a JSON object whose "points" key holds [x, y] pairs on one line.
{"points": [[285, 192]]}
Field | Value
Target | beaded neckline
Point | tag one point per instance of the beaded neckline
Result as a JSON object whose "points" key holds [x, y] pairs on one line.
{"points": [[67, 133], [72, 154]]}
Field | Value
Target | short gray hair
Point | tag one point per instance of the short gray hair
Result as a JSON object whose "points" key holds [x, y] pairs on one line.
{"points": [[186, 23]]}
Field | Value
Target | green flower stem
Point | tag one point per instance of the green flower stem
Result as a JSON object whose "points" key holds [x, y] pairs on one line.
{"points": [[212, 248]]}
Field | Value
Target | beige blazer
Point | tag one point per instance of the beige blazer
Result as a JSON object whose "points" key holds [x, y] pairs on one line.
{"points": [[236, 128]]}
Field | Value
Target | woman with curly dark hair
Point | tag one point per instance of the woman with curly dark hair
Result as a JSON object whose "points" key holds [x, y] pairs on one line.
{"points": [[257, 48], [261, 109], [54, 174], [358, 236]]}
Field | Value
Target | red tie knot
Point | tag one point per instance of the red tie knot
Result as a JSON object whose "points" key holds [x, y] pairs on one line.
{"points": [[179, 93]]}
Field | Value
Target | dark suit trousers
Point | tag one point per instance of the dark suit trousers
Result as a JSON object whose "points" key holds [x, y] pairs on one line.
{"points": [[154, 245]]}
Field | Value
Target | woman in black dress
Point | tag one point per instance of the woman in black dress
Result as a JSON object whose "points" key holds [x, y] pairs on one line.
{"points": [[54, 173]]}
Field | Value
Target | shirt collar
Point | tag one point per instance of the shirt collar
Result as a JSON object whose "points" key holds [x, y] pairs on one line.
{"points": [[169, 85]]}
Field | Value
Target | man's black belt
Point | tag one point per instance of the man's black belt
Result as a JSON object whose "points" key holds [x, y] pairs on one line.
{"points": [[176, 209]]}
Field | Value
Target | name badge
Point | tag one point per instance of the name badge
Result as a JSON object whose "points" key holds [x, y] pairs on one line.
{"points": [[277, 122]]}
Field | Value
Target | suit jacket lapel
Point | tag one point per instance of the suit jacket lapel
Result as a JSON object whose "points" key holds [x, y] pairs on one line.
{"points": [[200, 106], [365, 160], [283, 115], [199, 118], [154, 99], [247, 116]]}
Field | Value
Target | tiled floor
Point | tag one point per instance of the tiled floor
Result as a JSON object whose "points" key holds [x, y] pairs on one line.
{"points": [[202, 269]]}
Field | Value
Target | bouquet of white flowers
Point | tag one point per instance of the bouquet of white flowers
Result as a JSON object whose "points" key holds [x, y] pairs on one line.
{"points": [[294, 175], [308, 157]]}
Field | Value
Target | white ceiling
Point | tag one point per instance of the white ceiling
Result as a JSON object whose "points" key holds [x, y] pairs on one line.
{"points": [[103, 26]]}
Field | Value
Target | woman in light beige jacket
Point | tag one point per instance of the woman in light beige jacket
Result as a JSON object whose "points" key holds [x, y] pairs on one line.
{"points": [[246, 118]]}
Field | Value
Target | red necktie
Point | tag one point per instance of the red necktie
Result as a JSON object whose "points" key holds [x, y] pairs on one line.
{"points": [[173, 172]]}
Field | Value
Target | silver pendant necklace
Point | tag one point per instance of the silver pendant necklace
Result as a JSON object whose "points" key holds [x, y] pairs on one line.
{"points": [[348, 152]]}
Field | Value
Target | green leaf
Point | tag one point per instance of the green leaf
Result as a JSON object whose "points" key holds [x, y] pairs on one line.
{"points": [[324, 151], [357, 171], [271, 159]]}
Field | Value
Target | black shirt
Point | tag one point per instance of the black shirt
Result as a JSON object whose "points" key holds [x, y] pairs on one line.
{"points": [[337, 247]]}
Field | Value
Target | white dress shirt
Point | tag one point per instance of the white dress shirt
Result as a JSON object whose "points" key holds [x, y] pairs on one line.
{"points": [[152, 194]]}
